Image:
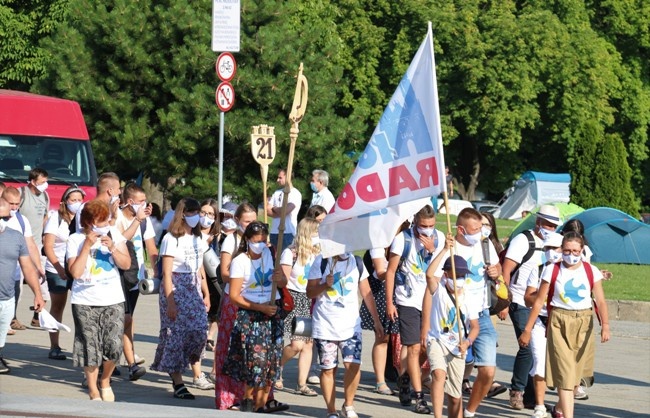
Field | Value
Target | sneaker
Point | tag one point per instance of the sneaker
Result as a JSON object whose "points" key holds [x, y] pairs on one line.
{"points": [[136, 372], [348, 412], [212, 377], [516, 399], [138, 360], [539, 412], [580, 394], [404, 387], [4, 367], [555, 413], [202, 383], [313, 377]]}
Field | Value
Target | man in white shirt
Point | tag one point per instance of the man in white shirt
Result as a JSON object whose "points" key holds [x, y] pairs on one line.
{"points": [[274, 210], [322, 195]]}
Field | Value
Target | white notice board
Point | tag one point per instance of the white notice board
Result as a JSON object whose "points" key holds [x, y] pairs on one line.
{"points": [[225, 25]]}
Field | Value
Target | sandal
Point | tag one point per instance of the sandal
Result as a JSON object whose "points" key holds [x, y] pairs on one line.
{"points": [[56, 354], [274, 406], [495, 389], [181, 392], [467, 388], [278, 385], [11, 331], [17, 326], [306, 391], [383, 389], [209, 345], [421, 407]]}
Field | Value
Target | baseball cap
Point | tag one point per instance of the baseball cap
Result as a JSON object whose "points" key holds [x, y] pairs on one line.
{"points": [[460, 264]]}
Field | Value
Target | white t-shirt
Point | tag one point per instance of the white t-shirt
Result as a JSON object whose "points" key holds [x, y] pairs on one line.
{"points": [[61, 232], [187, 252], [99, 284], [299, 272], [516, 251], [444, 321], [14, 224], [291, 220], [415, 266], [324, 198], [229, 246], [138, 240], [534, 280], [572, 290], [257, 275], [336, 311], [475, 286], [379, 253]]}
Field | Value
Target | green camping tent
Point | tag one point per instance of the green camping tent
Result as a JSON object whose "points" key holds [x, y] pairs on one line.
{"points": [[567, 210]]}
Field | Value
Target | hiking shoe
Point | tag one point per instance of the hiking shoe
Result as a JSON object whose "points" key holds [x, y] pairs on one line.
{"points": [[4, 367], [136, 372], [516, 399], [421, 407], [202, 382], [404, 387], [580, 394], [348, 412], [539, 412]]}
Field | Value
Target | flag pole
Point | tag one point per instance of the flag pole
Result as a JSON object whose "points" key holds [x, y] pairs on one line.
{"points": [[297, 112]]}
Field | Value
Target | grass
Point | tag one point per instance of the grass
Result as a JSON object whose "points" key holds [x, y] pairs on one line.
{"points": [[629, 281]]}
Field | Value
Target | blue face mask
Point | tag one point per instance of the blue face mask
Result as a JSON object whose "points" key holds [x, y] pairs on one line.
{"points": [[313, 187]]}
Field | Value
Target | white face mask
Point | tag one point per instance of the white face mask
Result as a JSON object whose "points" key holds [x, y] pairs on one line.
{"points": [[257, 247], [570, 259], [229, 224], [553, 256], [486, 231], [472, 239], [3, 225], [192, 220], [450, 283], [101, 230], [136, 208], [74, 207], [206, 222], [41, 187], [427, 232], [544, 232], [113, 200], [13, 213]]}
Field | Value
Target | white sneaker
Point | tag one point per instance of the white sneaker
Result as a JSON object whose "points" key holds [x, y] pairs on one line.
{"points": [[138, 360], [202, 383], [313, 377], [580, 394], [348, 412], [539, 412]]}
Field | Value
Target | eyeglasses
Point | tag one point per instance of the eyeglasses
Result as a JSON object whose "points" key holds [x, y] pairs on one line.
{"points": [[574, 252], [209, 215], [258, 226], [5, 218]]}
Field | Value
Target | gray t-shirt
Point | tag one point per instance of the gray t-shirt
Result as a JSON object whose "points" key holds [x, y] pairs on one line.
{"points": [[12, 247], [34, 208]]}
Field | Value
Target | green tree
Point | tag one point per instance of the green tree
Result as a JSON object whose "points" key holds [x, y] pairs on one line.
{"points": [[23, 24]]}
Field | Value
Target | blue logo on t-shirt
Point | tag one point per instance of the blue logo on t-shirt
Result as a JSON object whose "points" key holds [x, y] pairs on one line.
{"points": [[572, 292]]}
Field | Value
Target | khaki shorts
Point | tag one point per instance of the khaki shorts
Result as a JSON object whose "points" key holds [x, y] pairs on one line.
{"points": [[570, 347], [440, 358]]}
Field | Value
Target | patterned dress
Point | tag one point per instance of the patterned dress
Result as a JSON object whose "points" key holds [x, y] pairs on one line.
{"points": [[228, 391], [181, 341]]}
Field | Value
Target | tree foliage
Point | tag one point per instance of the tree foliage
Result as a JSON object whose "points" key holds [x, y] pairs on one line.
{"points": [[22, 24], [522, 86]]}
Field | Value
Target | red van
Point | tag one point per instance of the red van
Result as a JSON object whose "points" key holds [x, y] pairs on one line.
{"points": [[45, 132]]}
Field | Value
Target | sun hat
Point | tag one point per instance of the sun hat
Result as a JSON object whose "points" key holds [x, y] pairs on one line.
{"points": [[550, 213]]}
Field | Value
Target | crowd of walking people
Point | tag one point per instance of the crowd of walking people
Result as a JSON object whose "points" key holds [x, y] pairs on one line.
{"points": [[426, 298]]}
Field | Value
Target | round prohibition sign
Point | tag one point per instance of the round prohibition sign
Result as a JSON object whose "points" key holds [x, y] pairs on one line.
{"points": [[226, 66], [225, 96]]}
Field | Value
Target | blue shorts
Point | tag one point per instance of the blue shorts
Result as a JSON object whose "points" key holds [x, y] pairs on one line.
{"points": [[329, 354], [56, 284], [485, 346]]}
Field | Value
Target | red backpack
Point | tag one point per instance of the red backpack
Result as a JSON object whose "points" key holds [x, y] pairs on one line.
{"points": [[551, 290]]}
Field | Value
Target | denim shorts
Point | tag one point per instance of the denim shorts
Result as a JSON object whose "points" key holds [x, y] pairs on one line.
{"points": [[329, 354], [56, 284], [485, 346]]}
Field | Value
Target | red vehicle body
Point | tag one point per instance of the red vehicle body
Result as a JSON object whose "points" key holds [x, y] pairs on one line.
{"points": [[49, 133]]}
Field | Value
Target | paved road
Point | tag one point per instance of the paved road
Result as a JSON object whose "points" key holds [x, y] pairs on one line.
{"points": [[38, 386]]}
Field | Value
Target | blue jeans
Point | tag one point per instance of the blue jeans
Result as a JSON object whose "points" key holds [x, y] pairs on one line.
{"points": [[524, 360]]}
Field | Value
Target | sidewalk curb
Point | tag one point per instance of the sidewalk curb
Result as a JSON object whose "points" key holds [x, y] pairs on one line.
{"points": [[629, 310]]}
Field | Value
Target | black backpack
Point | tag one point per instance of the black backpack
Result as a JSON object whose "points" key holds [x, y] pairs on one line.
{"points": [[130, 276]]}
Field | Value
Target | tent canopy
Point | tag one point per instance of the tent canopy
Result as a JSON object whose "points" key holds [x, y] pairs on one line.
{"points": [[532, 190], [567, 210], [615, 237]]}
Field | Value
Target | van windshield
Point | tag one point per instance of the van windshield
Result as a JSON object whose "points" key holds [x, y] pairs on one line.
{"points": [[67, 161]]}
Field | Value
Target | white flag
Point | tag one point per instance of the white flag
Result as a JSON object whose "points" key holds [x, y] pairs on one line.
{"points": [[402, 163]]}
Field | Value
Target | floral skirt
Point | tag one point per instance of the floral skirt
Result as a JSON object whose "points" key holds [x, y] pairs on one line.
{"points": [[228, 391], [181, 341], [255, 349]]}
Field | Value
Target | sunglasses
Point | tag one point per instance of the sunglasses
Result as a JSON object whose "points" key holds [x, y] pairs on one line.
{"points": [[258, 227]]}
